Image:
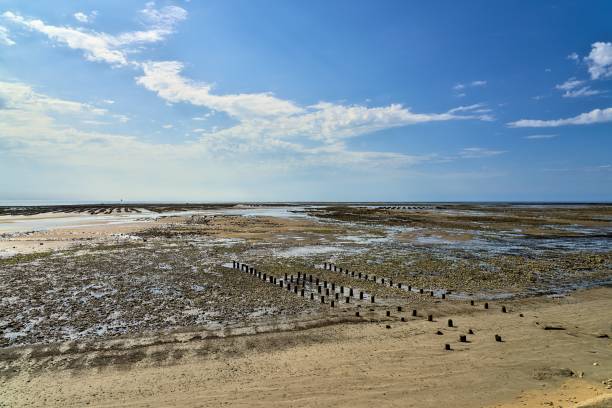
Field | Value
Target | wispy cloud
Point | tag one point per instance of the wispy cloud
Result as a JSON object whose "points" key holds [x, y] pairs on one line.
{"points": [[570, 84], [537, 137], [478, 152], [85, 18], [264, 113], [103, 47], [575, 88], [461, 88], [592, 117], [5, 39]]}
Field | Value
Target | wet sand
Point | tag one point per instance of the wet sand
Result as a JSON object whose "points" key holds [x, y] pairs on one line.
{"points": [[363, 364]]}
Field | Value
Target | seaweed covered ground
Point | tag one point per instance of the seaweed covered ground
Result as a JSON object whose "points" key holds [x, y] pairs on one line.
{"points": [[171, 273]]}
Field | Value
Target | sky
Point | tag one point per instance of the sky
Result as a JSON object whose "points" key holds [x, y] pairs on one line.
{"points": [[343, 100]]}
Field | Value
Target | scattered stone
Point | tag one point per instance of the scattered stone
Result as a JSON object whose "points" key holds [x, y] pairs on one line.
{"points": [[550, 372]]}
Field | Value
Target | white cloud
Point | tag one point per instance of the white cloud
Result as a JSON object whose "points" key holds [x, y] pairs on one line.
{"points": [[85, 18], [15, 96], [535, 137], [459, 87], [38, 126], [164, 78], [584, 91], [573, 56], [594, 116], [478, 152], [569, 84], [575, 88], [600, 60], [168, 126], [108, 101], [103, 47], [5, 39], [262, 114]]}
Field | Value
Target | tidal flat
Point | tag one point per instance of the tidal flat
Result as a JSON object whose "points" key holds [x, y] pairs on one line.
{"points": [[144, 286], [166, 272]]}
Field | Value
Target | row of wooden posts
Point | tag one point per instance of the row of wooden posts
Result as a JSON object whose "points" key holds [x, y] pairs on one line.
{"points": [[384, 281], [288, 281], [321, 285]]}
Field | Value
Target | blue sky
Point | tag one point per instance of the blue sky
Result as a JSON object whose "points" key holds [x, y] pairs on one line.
{"points": [[318, 100]]}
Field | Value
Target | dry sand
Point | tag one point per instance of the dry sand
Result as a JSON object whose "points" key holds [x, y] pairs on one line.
{"points": [[359, 365]]}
